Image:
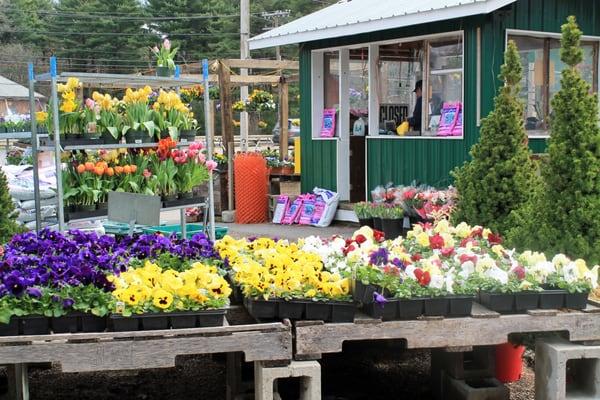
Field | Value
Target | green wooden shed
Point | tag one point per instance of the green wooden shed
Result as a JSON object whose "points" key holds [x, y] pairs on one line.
{"points": [[432, 63]]}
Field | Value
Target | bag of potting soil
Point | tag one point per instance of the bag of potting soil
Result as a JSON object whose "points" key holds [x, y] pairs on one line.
{"points": [[293, 211], [308, 209], [331, 200], [283, 202]]}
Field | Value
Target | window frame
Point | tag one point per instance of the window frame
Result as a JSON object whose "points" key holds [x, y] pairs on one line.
{"points": [[317, 85], [547, 37]]}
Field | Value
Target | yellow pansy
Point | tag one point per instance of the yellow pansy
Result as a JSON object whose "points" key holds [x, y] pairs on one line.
{"points": [[162, 299]]}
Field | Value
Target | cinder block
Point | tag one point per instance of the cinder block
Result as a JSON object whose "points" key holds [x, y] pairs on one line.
{"points": [[309, 371], [479, 363], [554, 358], [474, 389]]}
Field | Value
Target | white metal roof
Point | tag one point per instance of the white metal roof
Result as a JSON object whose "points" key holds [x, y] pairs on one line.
{"points": [[12, 90], [351, 17]]}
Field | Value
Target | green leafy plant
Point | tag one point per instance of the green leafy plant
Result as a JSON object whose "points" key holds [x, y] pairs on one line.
{"points": [[165, 56], [500, 177], [362, 210], [8, 224]]}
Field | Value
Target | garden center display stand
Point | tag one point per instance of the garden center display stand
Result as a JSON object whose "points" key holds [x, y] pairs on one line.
{"points": [[113, 351], [105, 80], [481, 329]]}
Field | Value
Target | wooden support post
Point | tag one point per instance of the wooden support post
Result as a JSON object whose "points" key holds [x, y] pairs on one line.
{"points": [[226, 110], [283, 118], [18, 382], [234, 375]]}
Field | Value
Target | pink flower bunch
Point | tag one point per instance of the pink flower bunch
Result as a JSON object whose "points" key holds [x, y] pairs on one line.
{"points": [[180, 156]]}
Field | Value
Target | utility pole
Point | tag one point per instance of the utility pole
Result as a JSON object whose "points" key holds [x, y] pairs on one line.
{"points": [[244, 54], [275, 16]]}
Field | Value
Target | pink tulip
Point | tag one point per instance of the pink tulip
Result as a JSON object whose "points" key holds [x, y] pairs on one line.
{"points": [[167, 44], [155, 50], [211, 165], [89, 103], [201, 158], [196, 146], [192, 153], [147, 174]]}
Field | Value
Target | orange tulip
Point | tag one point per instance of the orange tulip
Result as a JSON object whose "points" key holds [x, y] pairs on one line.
{"points": [[127, 169], [89, 166], [118, 170], [110, 171], [99, 171], [133, 168], [102, 164], [81, 168]]}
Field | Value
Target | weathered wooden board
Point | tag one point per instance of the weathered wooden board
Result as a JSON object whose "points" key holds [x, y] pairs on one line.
{"points": [[155, 349], [449, 332]]}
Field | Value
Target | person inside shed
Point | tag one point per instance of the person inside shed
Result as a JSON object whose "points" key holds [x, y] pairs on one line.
{"points": [[415, 120]]}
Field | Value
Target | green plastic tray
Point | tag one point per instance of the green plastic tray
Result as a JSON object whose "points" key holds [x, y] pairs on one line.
{"points": [[192, 229]]}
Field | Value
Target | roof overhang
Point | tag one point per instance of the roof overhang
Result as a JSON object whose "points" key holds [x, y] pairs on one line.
{"points": [[364, 16]]}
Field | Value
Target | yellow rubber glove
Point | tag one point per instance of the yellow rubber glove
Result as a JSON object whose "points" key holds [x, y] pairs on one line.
{"points": [[402, 128]]}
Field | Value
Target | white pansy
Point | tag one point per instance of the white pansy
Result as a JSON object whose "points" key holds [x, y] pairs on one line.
{"points": [[437, 281], [467, 269], [497, 274], [449, 280], [410, 271], [570, 272]]}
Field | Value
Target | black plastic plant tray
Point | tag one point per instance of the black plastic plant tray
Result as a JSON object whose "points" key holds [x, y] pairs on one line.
{"points": [[528, 300], [182, 202], [210, 318], [552, 299], [317, 310], [73, 215], [291, 309], [35, 325], [576, 301], [92, 323], [10, 329], [261, 309], [387, 311], [119, 323], [364, 293], [66, 324], [460, 306], [342, 312], [436, 306], [499, 302], [410, 308]]}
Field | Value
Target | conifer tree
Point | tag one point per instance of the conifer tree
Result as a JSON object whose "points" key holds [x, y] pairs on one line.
{"points": [[499, 177], [8, 224], [568, 208]]}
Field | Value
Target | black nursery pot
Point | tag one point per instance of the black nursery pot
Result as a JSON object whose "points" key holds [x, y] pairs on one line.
{"points": [[527, 300], [10, 329], [387, 311], [183, 320], [34, 325], [318, 310], [460, 306], [119, 323], [291, 309], [552, 299], [342, 312], [576, 301], [499, 302], [366, 222], [392, 228], [364, 293], [410, 308], [211, 318], [436, 306], [377, 224], [261, 309], [66, 324]]}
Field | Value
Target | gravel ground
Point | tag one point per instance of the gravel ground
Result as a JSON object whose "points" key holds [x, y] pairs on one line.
{"points": [[389, 371]]}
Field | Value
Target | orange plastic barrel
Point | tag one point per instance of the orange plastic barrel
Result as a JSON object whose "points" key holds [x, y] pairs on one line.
{"points": [[250, 177], [509, 362]]}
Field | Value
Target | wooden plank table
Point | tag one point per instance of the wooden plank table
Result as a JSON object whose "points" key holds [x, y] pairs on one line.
{"points": [[87, 352], [482, 328]]}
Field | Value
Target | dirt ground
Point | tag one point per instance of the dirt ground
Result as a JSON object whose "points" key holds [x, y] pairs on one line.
{"points": [[380, 373]]}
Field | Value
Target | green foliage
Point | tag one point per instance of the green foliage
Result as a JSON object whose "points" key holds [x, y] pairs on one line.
{"points": [[566, 211], [500, 177], [8, 224]]}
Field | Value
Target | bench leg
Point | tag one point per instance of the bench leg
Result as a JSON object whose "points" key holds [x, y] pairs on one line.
{"points": [[18, 382], [265, 379], [234, 375]]}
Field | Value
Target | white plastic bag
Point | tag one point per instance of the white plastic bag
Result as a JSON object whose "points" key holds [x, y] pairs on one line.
{"points": [[331, 200]]}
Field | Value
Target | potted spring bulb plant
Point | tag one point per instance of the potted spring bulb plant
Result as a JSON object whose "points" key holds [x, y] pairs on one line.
{"points": [[165, 59]]}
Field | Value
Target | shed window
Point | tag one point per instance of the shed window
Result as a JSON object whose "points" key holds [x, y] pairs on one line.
{"points": [[542, 70]]}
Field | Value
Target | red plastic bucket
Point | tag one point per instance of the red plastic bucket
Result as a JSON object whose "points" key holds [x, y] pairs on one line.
{"points": [[509, 362]]}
